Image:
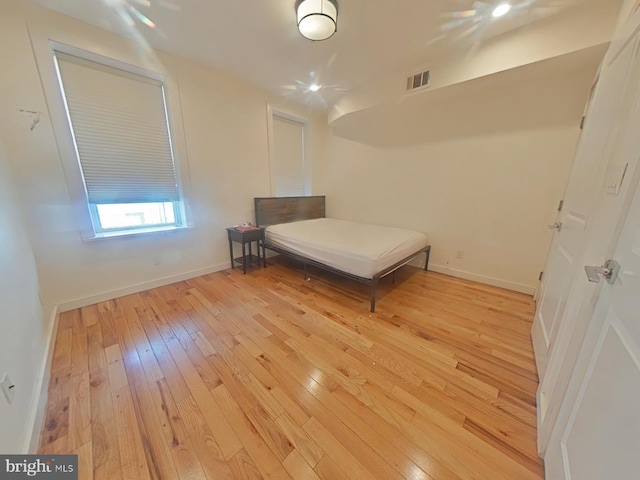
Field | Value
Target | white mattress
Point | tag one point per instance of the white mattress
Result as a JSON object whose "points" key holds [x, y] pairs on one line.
{"points": [[356, 248]]}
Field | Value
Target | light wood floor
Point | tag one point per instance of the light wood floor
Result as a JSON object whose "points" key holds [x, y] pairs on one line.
{"points": [[268, 376]]}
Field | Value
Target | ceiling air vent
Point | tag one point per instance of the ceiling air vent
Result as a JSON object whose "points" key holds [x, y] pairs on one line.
{"points": [[418, 80]]}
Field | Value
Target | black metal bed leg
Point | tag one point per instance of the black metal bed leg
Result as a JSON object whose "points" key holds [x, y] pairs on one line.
{"points": [[306, 277], [374, 287], [426, 261]]}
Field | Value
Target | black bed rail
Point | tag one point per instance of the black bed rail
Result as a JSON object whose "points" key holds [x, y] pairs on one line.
{"points": [[368, 281]]}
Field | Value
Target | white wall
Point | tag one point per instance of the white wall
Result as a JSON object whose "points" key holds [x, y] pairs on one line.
{"points": [[488, 187], [225, 126], [41, 251], [24, 334]]}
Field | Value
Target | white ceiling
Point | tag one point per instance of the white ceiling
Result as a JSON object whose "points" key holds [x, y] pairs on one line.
{"points": [[544, 94], [257, 40]]}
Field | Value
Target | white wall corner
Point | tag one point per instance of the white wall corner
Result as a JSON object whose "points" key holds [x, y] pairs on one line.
{"points": [[39, 406]]}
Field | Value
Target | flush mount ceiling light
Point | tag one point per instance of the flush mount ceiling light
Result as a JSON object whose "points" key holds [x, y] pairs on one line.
{"points": [[317, 19], [501, 10]]}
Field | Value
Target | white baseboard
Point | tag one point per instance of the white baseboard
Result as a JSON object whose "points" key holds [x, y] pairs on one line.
{"points": [[496, 282], [39, 407], [140, 287]]}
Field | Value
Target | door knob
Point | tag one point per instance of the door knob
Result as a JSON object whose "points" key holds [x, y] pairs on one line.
{"points": [[556, 226], [609, 271]]}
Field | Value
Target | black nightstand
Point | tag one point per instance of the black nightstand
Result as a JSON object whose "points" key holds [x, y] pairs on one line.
{"points": [[248, 236]]}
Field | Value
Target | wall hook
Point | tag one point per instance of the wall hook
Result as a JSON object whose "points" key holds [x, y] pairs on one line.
{"points": [[34, 116]]}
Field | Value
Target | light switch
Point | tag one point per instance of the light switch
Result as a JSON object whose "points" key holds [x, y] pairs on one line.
{"points": [[614, 180]]}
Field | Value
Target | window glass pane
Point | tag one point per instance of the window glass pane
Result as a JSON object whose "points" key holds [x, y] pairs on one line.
{"points": [[287, 162], [131, 215]]}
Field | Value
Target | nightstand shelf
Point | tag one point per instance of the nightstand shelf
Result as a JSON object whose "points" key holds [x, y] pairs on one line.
{"points": [[244, 238]]}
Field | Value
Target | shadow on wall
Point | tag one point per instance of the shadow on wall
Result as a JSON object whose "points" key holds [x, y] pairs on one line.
{"points": [[548, 93]]}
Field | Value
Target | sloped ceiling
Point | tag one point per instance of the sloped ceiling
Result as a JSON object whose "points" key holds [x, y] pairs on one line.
{"points": [[522, 98]]}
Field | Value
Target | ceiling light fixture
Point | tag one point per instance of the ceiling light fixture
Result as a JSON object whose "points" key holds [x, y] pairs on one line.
{"points": [[317, 19], [314, 87], [501, 10]]}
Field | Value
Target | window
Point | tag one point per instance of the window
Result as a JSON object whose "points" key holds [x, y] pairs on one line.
{"points": [[287, 157], [120, 130]]}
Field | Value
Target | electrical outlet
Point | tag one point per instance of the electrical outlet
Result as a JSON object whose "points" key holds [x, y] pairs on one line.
{"points": [[8, 388], [459, 254]]}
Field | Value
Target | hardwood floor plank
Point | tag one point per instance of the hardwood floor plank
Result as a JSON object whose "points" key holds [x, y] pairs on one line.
{"points": [[207, 374], [324, 407], [85, 460], [79, 359], [244, 468], [209, 453], [186, 462], [60, 385], [130, 305], [231, 380], [62, 350], [263, 457], [156, 451], [132, 455], [247, 343], [224, 434], [56, 423], [78, 327], [501, 423], [107, 326], [454, 443], [203, 344], [253, 366], [270, 432], [79, 411], [298, 468], [168, 366], [293, 410], [327, 469], [268, 376], [57, 447], [90, 315], [106, 456], [300, 439], [351, 467], [113, 353]]}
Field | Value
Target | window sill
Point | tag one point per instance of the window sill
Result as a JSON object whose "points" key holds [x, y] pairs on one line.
{"points": [[135, 232]]}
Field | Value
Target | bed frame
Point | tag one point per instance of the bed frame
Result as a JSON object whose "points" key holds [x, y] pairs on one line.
{"points": [[274, 210]]}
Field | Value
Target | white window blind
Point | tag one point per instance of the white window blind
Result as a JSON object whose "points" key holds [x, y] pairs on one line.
{"points": [[287, 162], [119, 123]]}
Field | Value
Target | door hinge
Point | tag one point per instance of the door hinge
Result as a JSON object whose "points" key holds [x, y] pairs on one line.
{"points": [[540, 277], [560, 205], [584, 117]]}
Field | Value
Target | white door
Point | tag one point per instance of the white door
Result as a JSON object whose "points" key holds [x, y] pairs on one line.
{"points": [[597, 198], [567, 248], [597, 435]]}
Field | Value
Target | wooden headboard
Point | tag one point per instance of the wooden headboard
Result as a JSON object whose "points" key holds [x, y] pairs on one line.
{"points": [[274, 210]]}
